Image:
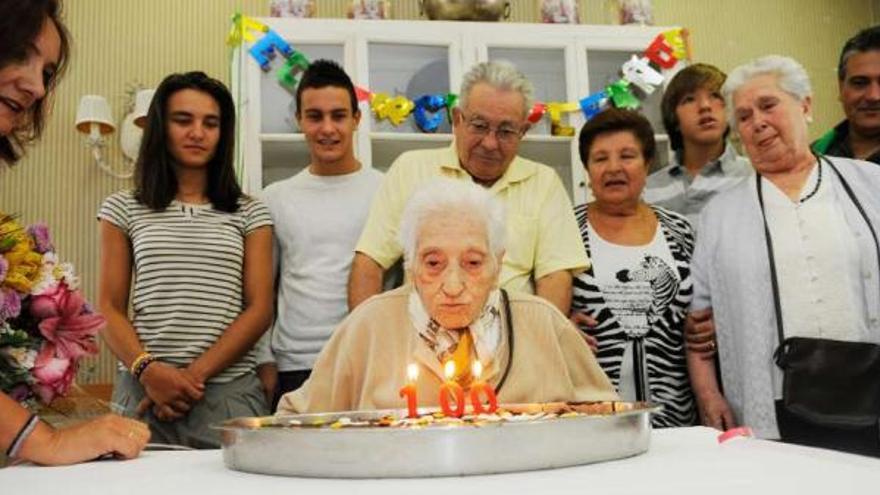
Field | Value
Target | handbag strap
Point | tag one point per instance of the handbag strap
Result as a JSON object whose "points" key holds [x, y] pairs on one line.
{"points": [[505, 301], [773, 277], [777, 307]]}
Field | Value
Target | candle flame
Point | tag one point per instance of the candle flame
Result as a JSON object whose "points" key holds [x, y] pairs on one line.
{"points": [[477, 369], [412, 372], [449, 369]]}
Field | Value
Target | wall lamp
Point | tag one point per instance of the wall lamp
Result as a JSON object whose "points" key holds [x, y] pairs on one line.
{"points": [[93, 118]]}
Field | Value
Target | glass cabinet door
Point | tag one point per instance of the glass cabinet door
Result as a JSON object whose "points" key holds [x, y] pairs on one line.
{"points": [[549, 66], [416, 58], [410, 71], [422, 60], [545, 69]]}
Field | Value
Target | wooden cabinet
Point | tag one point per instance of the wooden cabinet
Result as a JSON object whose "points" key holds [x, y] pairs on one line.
{"points": [[413, 58]]}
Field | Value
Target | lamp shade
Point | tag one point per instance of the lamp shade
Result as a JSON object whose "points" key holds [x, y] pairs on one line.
{"points": [[142, 106], [94, 109]]}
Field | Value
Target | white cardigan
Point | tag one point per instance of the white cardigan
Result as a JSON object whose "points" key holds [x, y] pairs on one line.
{"points": [[731, 274]]}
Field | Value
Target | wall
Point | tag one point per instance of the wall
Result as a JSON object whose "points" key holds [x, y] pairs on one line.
{"points": [[121, 43]]}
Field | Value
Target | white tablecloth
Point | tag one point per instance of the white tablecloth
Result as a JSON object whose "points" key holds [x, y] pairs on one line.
{"points": [[680, 461]]}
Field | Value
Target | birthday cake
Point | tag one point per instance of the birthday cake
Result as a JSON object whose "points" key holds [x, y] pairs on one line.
{"points": [[511, 413], [388, 443]]}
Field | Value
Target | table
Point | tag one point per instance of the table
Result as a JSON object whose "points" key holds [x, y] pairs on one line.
{"points": [[680, 461]]}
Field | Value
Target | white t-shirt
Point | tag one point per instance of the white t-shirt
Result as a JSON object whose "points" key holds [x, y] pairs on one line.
{"points": [[624, 274], [318, 220]]}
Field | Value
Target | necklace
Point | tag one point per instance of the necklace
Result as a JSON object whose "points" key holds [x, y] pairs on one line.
{"points": [[816, 188]]}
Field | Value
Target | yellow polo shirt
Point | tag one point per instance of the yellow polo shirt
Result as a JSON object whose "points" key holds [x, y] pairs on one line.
{"points": [[542, 233]]}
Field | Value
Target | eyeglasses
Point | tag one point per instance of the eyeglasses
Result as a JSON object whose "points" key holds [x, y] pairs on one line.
{"points": [[504, 133]]}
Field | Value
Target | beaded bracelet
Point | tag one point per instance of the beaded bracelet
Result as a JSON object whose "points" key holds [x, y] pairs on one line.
{"points": [[137, 361], [140, 364], [22, 435]]}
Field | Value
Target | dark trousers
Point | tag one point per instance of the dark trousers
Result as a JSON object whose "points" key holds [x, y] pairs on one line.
{"points": [[288, 381]]}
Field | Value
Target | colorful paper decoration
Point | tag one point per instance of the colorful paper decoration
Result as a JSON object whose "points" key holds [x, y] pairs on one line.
{"points": [[555, 109], [560, 129], [637, 71], [661, 53], [451, 101], [537, 112], [263, 50], [394, 109], [677, 39], [427, 112], [621, 96], [241, 29], [593, 104], [362, 94], [665, 51], [286, 74]]}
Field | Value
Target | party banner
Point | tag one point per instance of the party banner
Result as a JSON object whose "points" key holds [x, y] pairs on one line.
{"points": [[645, 71]]}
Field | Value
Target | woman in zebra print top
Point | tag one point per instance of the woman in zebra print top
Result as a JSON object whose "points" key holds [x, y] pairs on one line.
{"points": [[634, 297]]}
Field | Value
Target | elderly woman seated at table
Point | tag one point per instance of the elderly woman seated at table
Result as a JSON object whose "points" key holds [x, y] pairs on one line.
{"points": [[452, 234], [634, 298], [790, 252]]}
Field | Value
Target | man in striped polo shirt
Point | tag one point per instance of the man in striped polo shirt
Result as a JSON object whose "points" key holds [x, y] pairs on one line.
{"points": [[703, 163]]}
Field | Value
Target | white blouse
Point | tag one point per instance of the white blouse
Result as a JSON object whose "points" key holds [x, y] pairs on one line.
{"points": [[818, 262]]}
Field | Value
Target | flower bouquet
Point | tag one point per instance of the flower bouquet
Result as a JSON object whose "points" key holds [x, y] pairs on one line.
{"points": [[46, 326]]}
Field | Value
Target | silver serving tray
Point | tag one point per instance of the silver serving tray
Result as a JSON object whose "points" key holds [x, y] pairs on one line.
{"points": [[265, 446]]}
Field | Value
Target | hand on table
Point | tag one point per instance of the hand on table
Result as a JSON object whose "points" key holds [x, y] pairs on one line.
{"points": [[110, 434], [715, 412]]}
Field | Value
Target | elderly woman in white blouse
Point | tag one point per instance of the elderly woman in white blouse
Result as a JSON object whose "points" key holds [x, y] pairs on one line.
{"points": [[799, 219]]}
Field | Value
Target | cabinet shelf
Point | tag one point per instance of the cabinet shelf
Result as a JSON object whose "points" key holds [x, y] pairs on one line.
{"points": [[546, 138], [293, 137], [410, 136]]}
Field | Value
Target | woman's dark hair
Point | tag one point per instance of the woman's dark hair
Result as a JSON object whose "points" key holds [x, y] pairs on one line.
{"points": [[614, 120], [20, 23], [155, 173], [687, 81]]}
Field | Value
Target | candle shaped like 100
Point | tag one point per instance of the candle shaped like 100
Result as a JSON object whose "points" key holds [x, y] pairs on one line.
{"points": [[449, 391], [409, 390], [478, 387]]}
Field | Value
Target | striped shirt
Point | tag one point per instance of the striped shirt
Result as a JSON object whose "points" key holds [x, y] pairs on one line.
{"points": [[673, 188], [188, 261]]}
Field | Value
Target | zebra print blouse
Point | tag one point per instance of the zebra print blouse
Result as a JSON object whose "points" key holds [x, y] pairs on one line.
{"points": [[667, 374]]}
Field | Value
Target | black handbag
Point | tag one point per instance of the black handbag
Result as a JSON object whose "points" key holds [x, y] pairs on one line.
{"points": [[830, 388]]}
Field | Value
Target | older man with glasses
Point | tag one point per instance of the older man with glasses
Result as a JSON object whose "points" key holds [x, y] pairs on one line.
{"points": [[544, 249]]}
